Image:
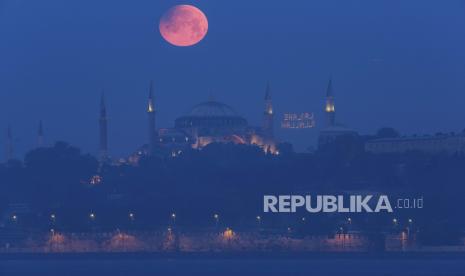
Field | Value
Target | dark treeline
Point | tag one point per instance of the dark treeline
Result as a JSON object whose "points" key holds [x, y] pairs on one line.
{"points": [[230, 180]]}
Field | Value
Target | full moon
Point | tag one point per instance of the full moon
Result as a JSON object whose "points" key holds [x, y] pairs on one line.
{"points": [[183, 25]]}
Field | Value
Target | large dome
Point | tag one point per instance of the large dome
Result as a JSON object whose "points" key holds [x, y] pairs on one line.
{"points": [[212, 109]]}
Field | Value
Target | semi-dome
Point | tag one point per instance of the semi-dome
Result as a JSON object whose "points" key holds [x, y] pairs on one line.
{"points": [[212, 109]]}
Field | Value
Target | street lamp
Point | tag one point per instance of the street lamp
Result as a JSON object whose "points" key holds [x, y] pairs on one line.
{"points": [[410, 220], [131, 216], [259, 221], [216, 217], [92, 216], [14, 218], [349, 220], [173, 216], [394, 221]]}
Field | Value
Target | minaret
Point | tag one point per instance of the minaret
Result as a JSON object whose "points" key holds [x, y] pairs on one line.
{"points": [[151, 113], [40, 135], [9, 144], [329, 109], [103, 146], [268, 114]]}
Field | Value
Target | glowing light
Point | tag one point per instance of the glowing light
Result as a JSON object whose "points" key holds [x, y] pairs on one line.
{"points": [[228, 233], [330, 105], [150, 107], [96, 179]]}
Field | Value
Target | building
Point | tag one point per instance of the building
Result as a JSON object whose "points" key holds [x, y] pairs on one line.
{"points": [[333, 130], [440, 143], [208, 122]]}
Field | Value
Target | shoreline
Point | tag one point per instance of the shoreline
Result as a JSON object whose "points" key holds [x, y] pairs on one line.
{"points": [[283, 256]]}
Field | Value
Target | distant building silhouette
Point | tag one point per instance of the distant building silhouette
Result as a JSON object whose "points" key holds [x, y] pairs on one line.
{"points": [[439, 143], [103, 127]]}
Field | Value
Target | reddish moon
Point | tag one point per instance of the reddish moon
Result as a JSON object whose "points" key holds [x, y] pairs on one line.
{"points": [[183, 25]]}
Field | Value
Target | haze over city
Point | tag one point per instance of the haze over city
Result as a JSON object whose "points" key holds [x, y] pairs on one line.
{"points": [[397, 64]]}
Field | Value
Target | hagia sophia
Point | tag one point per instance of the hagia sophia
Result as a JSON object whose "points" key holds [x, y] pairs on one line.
{"points": [[215, 122], [207, 122]]}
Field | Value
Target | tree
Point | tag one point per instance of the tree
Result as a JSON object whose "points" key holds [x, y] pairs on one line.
{"points": [[57, 174]]}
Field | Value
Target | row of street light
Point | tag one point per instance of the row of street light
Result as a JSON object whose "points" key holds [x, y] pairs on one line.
{"points": [[92, 217]]}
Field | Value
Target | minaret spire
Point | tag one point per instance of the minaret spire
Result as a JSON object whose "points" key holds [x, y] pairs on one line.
{"points": [[268, 113], [103, 126], [9, 144], [329, 108], [151, 119], [40, 135], [151, 107]]}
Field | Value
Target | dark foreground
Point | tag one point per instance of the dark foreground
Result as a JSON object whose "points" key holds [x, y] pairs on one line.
{"points": [[276, 264]]}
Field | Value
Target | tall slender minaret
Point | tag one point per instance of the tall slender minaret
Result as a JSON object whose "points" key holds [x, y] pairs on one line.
{"points": [[268, 114], [9, 144], [103, 120], [151, 113], [40, 135], [329, 109]]}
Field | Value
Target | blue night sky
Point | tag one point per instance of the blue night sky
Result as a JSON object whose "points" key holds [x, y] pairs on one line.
{"points": [[394, 63]]}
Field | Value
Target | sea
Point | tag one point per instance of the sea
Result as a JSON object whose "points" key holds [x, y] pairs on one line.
{"points": [[99, 265]]}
